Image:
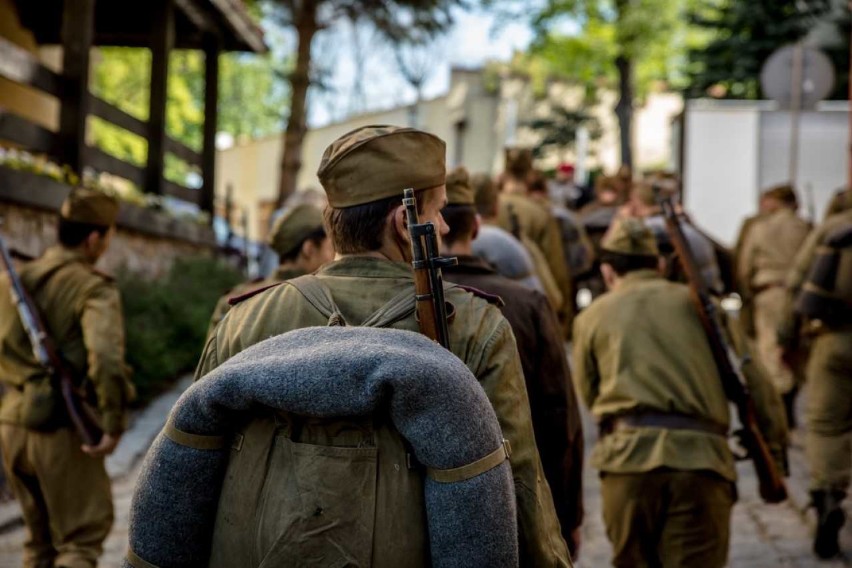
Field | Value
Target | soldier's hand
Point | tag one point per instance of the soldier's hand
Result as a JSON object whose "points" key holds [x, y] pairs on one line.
{"points": [[105, 447], [576, 537]]}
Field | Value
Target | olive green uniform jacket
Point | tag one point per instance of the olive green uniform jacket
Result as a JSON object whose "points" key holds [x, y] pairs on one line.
{"points": [[829, 409], [537, 223], [81, 309], [479, 335], [641, 347], [64, 494], [224, 304], [764, 261]]}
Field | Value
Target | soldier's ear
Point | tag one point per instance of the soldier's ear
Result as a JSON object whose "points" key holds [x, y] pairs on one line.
{"points": [[399, 223], [661, 264], [477, 223]]}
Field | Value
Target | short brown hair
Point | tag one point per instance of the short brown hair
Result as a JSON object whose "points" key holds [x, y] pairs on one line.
{"points": [[359, 228], [485, 194], [462, 222]]}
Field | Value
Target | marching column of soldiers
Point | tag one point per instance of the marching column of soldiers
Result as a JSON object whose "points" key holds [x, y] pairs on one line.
{"points": [[313, 490]]}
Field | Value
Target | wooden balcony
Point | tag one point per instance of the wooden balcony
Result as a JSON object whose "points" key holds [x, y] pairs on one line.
{"points": [[212, 26]]}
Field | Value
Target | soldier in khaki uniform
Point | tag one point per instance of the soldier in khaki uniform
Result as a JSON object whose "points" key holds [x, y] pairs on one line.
{"points": [[828, 416], [536, 223], [299, 240], [62, 485], [553, 402], [766, 257], [644, 367], [364, 173]]}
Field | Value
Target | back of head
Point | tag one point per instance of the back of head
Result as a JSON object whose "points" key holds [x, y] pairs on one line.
{"points": [[485, 194], [294, 227], [628, 246], [364, 173], [460, 212], [518, 162], [83, 212], [783, 194]]}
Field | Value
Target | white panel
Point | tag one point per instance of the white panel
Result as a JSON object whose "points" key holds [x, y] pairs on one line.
{"points": [[720, 181]]}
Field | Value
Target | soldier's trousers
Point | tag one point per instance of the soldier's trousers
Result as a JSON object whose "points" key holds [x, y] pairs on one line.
{"points": [[668, 519], [768, 313], [829, 410], [64, 494]]}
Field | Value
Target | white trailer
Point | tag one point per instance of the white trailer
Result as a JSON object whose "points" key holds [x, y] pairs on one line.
{"points": [[735, 149]]}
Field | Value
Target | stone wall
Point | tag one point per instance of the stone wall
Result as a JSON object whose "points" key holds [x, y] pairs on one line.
{"points": [[147, 242]]}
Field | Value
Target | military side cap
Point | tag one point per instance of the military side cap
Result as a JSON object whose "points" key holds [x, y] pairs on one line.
{"points": [[630, 236], [85, 205], [459, 191], [376, 162], [293, 227], [783, 192]]}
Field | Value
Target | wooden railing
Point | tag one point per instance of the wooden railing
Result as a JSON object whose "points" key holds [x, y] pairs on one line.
{"points": [[19, 66]]}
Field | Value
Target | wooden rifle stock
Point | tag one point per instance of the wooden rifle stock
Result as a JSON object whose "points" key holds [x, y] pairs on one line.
{"points": [[428, 281], [83, 417], [771, 484]]}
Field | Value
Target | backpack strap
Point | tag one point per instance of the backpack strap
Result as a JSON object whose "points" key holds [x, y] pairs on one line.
{"points": [[319, 296]]}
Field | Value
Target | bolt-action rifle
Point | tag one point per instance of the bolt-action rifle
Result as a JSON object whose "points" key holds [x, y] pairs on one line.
{"points": [[83, 417], [428, 281], [728, 363]]}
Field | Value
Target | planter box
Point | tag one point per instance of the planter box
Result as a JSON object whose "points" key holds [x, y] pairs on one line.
{"points": [[40, 192]]}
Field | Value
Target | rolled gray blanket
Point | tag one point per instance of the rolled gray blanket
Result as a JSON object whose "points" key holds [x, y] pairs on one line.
{"points": [[431, 396]]}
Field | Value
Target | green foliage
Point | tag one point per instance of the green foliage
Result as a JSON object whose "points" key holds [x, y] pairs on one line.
{"points": [[745, 33], [252, 98], [166, 320], [559, 130]]}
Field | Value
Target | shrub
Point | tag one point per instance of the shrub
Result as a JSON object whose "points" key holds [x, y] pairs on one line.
{"points": [[166, 320]]}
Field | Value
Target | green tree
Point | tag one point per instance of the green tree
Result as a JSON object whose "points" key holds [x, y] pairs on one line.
{"points": [[745, 33], [395, 20], [620, 43], [559, 131]]}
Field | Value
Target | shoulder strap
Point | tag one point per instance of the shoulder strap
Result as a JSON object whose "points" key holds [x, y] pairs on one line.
{"points": [[319, 296]]}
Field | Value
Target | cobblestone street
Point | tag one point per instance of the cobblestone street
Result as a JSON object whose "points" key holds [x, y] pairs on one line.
{"points": [[762, 536]]}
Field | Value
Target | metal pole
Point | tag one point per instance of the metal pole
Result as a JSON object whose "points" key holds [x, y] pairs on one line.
{"points": [[795, 111]]}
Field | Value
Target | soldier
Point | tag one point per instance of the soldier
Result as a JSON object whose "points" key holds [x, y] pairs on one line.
{"points": [[764, 261], [364, 173], [746, 316], [299, 240], [536, 223], [828, 417], [553, 403], [62, 485], [644, 366]]}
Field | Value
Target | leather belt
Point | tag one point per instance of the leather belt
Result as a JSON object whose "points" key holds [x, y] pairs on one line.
{"points": [[666, 420]]}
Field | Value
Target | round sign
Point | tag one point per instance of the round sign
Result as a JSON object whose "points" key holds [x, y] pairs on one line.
{"points": [[815, 73]]}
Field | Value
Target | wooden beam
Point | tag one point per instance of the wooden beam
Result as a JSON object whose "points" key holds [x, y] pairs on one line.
{"points": [[78, 30], [26, 134], [185, 193], [20, 66], [162, 41], [212, 49], [103, 162]]}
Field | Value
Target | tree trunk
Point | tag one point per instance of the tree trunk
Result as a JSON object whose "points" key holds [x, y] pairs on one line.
{"points": [[624, 108], [291, 159]]}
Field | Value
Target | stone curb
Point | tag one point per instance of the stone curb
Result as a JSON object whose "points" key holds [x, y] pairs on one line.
{"points": [[135, 442]]}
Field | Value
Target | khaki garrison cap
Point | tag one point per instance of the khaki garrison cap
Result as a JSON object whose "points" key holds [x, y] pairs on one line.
{"points": [[293, 227], [376, 162], [459, 191], [84, 205], [630, 236]]}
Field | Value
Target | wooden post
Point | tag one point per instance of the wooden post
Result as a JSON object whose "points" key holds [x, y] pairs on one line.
{"points": [[211, 109], [78, 32], [162, 41]]}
